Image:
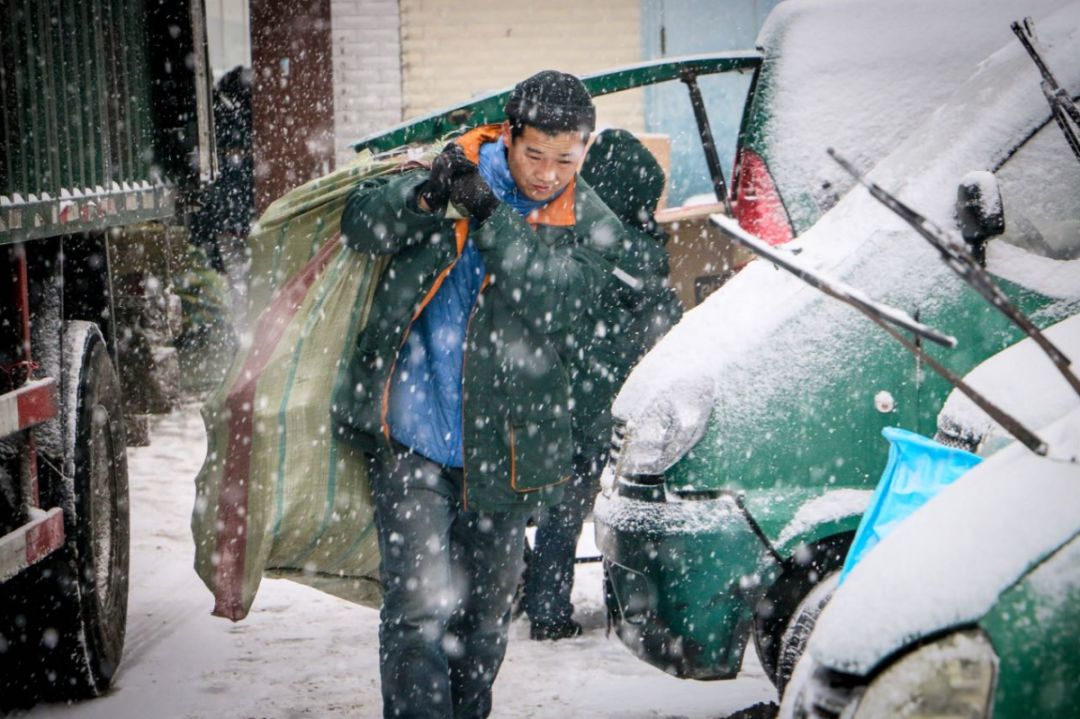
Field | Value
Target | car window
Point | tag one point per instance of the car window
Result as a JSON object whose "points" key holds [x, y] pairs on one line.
{"points": [[1040, 193]]}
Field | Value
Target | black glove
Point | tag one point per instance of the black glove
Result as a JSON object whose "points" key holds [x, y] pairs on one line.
{"points": [[471, 193], [447, 165]]}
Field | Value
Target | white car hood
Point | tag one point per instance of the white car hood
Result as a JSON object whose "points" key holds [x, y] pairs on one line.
{"points": [[947, 564]]}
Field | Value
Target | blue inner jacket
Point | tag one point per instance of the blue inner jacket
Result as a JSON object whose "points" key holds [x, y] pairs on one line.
{"points": [[425, 394]]}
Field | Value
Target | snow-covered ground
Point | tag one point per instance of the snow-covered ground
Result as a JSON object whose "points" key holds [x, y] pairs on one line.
{"points": [[301, 653]]}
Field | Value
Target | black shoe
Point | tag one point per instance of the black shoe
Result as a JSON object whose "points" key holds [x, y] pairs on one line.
{"points": [[555, 632]]}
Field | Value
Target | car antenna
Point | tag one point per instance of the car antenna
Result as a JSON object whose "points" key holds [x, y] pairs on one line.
{"points": [[884, 316], [1061, 105], [956, 255]]}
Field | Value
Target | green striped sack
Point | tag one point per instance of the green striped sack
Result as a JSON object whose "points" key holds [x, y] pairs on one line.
{"points": [[277, 495]]}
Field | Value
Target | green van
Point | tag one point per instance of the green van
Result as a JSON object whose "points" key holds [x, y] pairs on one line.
{"points": [[749, 439]]}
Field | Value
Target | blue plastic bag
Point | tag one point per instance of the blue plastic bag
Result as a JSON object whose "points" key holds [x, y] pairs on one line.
{"points": [[918, 469]]}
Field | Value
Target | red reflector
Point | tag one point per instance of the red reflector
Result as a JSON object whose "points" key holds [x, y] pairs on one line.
{"points": [[758, 208], [46, 537]]}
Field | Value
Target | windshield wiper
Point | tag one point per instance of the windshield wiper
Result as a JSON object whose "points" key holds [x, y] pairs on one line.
{"points": [[833, 288], [1062, 107], [956, 256], [884, 316]]}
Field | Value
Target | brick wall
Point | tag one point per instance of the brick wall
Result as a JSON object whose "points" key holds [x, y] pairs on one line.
{"points": [[367, 70], [452, 50]]}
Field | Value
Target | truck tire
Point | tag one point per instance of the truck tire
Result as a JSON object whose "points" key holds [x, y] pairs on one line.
{"points": [[65, 633]]}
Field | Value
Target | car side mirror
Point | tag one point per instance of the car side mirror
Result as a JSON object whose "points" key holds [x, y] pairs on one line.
{"points": [[979, 211]]}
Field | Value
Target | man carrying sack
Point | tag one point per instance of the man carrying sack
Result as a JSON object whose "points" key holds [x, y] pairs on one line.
{"points": [[457, 389]]}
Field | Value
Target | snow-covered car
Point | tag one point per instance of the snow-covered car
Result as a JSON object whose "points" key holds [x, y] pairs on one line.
{"points": [[971, 606], [748, 440]]}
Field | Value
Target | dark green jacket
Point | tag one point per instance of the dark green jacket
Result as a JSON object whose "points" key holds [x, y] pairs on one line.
{"points": [[517, 427], [635, 312]]}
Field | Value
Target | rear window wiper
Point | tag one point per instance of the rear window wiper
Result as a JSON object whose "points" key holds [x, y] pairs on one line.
{"points": [[1062, 107], [885, 316]]}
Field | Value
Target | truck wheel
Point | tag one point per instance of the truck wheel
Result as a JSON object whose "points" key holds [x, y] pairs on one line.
{"points": [[66, 630]]}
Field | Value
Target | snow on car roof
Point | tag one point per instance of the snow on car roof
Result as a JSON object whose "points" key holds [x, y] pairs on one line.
{"points": [[765, 332], [862, 75], [1022, 381], [946, 565]]}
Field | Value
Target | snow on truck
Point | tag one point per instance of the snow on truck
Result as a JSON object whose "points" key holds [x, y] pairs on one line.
{"points": [[106, 132]]}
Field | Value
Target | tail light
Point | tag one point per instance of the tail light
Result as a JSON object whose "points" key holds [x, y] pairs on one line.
{"points": [[758, 207]]}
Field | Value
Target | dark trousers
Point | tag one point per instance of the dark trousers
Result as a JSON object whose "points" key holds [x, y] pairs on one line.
{"points": [[448, 578], [549, 578]]}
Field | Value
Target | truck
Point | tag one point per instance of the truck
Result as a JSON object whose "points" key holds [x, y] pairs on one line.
{"points": [[107, 136]]}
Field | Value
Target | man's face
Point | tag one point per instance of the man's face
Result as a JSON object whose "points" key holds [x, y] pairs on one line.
{"points": [[543, 164]]}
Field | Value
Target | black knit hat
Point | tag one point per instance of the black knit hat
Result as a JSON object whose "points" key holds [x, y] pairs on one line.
{"points": [[552, 101]]}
